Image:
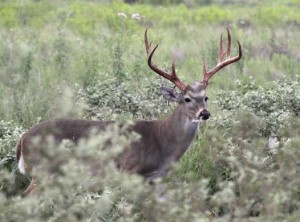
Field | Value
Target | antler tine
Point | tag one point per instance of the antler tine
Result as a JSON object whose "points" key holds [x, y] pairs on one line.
{"points": [[147, 45], [220, 52], [172, 77], [228, 44], [221, 64]]}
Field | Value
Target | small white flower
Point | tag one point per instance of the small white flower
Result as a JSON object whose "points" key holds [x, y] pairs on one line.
{"points": [[273, 142], [136, 16], [122, 14]]}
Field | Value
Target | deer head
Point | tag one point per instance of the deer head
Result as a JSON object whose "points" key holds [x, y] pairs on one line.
{"points": [[192, 97]]}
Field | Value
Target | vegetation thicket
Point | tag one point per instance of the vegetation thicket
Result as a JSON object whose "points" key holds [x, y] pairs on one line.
{"points": [[86, 59]]}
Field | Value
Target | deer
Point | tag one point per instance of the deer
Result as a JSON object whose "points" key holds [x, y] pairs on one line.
{"points": [[162, 142]]}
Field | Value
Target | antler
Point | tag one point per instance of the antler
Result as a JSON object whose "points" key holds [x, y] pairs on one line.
{"points": [[170, 76], [221, 64]]}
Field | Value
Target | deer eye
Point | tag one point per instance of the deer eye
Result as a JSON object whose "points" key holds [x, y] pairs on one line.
{"points": [[206, 98], [187, 100]]}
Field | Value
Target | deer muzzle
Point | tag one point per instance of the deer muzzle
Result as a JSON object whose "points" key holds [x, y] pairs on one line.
{"points": [[204, 115]]}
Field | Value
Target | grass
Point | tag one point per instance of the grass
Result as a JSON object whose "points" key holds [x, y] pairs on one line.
{"points": [[81, 59]]}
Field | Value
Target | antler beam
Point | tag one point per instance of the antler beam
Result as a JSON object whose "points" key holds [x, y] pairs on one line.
{"points": [[221, 64], [170, 76]]}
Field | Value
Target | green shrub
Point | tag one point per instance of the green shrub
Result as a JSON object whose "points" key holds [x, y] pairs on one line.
{"points": [[66, 188], [112, 98], [271, 104], [249, 154], [244, 182], [10, 133]]}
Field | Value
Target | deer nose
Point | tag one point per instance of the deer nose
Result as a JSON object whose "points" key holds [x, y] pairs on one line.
{"points": [[204, 114]]}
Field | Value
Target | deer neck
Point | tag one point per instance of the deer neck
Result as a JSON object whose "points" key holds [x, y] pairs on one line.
{"points": [[178, 132]]}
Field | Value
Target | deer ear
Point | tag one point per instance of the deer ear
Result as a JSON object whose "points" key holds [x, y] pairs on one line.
{"points": [[170, 94]]}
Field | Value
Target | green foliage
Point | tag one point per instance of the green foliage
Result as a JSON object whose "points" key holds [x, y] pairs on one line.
{"points": [[111, 99], [85, 16], [252, 182], [67, 190], [9, 136], [271, 104], [249, 155]]}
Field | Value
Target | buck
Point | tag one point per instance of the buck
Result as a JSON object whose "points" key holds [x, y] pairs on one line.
{"points": [[162, 141]]}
